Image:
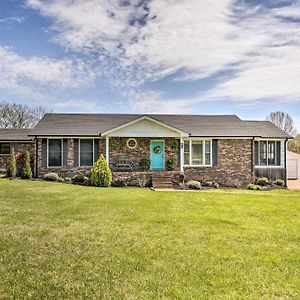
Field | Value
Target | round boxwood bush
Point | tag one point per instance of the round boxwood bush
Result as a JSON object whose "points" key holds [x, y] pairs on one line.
{"points": [[52, 177], [262, 181], [253, 187], [193, 184], [78, 178], [279, 182]]}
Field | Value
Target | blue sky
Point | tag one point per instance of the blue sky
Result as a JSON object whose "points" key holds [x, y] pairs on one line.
{"points": [[159, 56]]}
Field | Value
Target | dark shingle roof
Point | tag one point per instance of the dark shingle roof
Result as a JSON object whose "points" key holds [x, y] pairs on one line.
{"points": [[195, 125], [15, 135]]}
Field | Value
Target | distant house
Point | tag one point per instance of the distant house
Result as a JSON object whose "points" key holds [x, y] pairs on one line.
{"points": [[215, 148], [293, 165]]}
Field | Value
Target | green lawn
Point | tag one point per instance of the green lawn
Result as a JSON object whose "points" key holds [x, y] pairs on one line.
{"points": [[62, 241]]}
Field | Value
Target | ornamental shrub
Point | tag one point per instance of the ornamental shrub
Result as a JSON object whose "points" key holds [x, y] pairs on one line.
{"points": [[51, 177], [279, 182], [12, 165], [171, 164], [145, 163], [193, 184], [101, 173], [262, 181], [254, 187], [78, 178], [26, 171]]}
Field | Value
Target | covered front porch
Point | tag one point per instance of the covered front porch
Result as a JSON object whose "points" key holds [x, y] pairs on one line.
{"points": [[145, 145]]}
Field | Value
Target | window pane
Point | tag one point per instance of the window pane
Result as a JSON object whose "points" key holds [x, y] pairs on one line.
{"points": [[4, 148], [54, 153], [271, 153], [263, 153], [207, 152], [197, 154], [86, 153], [186, 152]]}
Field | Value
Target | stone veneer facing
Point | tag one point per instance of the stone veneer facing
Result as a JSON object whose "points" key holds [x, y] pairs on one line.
{"points": [[234, 168]]}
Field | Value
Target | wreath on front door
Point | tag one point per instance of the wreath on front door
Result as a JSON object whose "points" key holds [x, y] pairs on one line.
{"points": [[157, 150]]}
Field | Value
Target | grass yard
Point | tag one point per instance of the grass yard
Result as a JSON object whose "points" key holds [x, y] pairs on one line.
{"points": [[69, 242]]}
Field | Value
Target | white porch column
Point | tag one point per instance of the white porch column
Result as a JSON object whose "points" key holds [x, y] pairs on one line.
{"points": [[181, 154], [107, 149]]}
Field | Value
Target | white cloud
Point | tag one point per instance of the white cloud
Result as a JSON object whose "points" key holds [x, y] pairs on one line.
{"points": [[11, 20], [35, 76], [272, 71], [194, 39]]}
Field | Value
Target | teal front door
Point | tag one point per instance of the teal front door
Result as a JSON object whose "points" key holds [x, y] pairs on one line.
{"points": [[157, 158]]}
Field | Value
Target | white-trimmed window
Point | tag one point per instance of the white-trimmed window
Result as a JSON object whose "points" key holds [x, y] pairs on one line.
{"points": [[269, 153], [4, 148], [86, 152], [198, 153], [55, 152]]}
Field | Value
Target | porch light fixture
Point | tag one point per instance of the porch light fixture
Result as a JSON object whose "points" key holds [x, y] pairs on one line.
{"points": [[131, 143]]}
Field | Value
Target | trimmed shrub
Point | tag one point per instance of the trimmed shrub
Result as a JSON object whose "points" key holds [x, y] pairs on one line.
{"points": [[79, 178], [193, 184], [279, 182], [216, 185], [52, 177], [171, 164], [207, 183], [26, 171], [87, 181], [253, 187], [67, 179], [101, 173], [12, 166], [2, 171], [145, 163], [262, 181]]}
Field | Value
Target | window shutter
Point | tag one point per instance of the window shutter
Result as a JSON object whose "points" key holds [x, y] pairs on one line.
{"points": [[65, 152], [44, 153], [278, 153], [76, 157], [256, 154], [96, 150], [215, 153]]}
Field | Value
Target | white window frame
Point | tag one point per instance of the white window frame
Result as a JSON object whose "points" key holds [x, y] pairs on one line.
{"points": [[62, 152], [267, 164], [203, 153], [79, 141]]}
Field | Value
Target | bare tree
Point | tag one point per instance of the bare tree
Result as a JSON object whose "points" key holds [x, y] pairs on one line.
{"points": [[13, 115], [294, 144], [284, 121]]}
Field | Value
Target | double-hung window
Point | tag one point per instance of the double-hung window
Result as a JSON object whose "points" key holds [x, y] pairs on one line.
{"points": [[197, 152], [86, 153], [4, 148], [269, 153], [55, 150]]}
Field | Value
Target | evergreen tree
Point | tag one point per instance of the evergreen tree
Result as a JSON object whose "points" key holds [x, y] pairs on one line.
{"points": [[101, 173], [26, 171], [12, 165]]}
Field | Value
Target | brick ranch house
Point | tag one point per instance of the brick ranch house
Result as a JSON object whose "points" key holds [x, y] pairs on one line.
{"points": [[215, 148]]}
